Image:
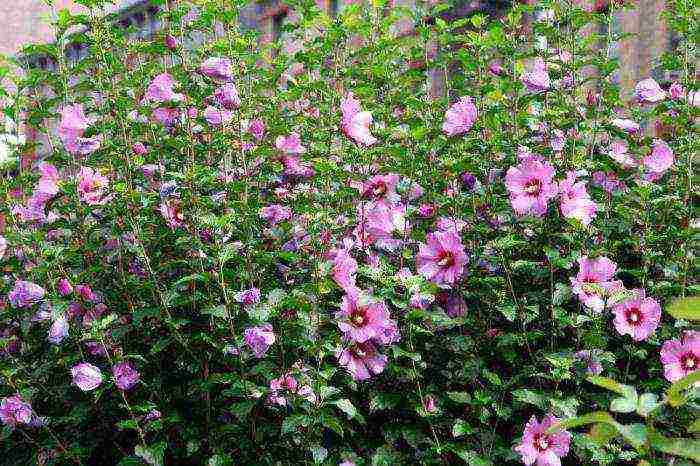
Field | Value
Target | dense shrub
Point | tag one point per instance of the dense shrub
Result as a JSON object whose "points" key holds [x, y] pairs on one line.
{"points": [[235, 252]]}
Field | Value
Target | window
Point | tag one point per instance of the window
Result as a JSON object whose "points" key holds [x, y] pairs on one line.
{"points": [[277, 23]]}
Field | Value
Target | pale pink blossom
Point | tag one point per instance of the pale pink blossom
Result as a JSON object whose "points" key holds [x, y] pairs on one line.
{"points": [[355, 122], [86, 376], [575, 202], [594, 280], [92, 186], [660, 158], [217, 116], [362, 318], [460, 117], [441, 259], [227, 96], [160, 90], [275, 213], [619, 152], [259, 339], [540, 447], [362, 360], [290, 144], [531, 186], [217, 68], [536, 79], [625, 124], [649, 91], [172, 213]]}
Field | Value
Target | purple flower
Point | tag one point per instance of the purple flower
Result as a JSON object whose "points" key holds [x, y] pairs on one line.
{"points": [[86, 376], [676, 91], [576, 203], [429, 404], [171, 42], [248, 297], [257, 129], [166, 116], [618, 152], [378, 223], [160, 90], [625, 125], [25, 294], [558, 140], [290, 145], [259, 339], [649, 91], [139, 149], [72, 125], [13, 411], [608, 181], [660, 159], [362, 318], [362, 360], [441, 258], [64, 287], [227, 96], [125, 376], [637, 317], [275, 213], [58, 330], [681, 357], [344, 268], [537, 78], [48, 183], [594, 280], [539, 447], [3, 246], [530, 185], [460, 117], [216, 116], [217, 68], [92, 186], [355, 123]]}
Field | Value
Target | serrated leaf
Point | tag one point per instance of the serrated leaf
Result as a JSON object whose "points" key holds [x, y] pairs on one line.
{"points": [[675, 395], [685, 308], [683, 447]]}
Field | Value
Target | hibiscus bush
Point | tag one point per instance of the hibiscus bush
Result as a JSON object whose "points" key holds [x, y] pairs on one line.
{"points": [[391, 236]]}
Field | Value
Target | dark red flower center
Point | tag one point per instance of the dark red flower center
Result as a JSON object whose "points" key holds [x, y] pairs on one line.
{"points": [[541, 442], [446, 259], [633, 316], [533, 187], [689, 362], [361, 350], [358, 318], [379, 189]]}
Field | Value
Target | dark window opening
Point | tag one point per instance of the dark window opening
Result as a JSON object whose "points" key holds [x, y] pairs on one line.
{"points": [[277, 24]]}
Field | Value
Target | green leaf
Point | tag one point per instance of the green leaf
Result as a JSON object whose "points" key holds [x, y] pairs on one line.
{"points": [[319, 453], [614, 386], [647, 403], [461, 428], [153, 455], [685, 308], [694, 426], [675, 395], [459, 397], [623, 405], [683, 447], [347, 407], [634, 434]]}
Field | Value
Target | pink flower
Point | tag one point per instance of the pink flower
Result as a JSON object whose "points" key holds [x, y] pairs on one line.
{"points": [[460, 117], [575, 201], [539, 447], [85, 292], [139, 149], [362, 360], [608, 181], [257, 129], [591, 359], [217, 68], [294, 166], [160, 90], [649, 91], [637, 317], [618, 152], [48, 183], [3, 246], [593, 280], [227, 96], [92, 186], [286, 385], [625, 124], [125, 376], [58, 330], [361, 318], [25, 294], [676, 91], [13, 411], [681, 357], [248, 297], [216, 116], [537, 79], [429, 404], [355, 123], [259, 339], [166, 116], [530, 186], [171, 42], [660, 159], [427, 210], [381, 188], [172, 213], [344, 268], [275, 213], [450, 223], [441, 258], [291, 144], [86, 376], [72, 125], [378, 223]]}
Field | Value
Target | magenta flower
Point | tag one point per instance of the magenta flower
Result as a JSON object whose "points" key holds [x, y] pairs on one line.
{"points": [[539, 447], [3, 246], [166, 116], [625, 125], [86, 376], [530, 185], [92, 186], [275, 213], [441, 258], [64, 287], [172, 213], [450, 223], [58, 331], [537, 78], [259, 339], [637, 317], [139, 149], [48, 183], [618, 152], [291, 144], [660, 158], [13, 411], [608, 181], [25, 294], [248, 297], [344, 269], [160, 90], [378, 223], [294, 166], [257, 129], [217, 116], [217, 68], [362, 360], [85, 292], [576, 203], [125, 376], [681, 357], [286, 385], [362, 318], [381, 188], [676, 91], [227, 96], [355, 123], [649, 91], [594, 280], [460, 117], [72, 125]]}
